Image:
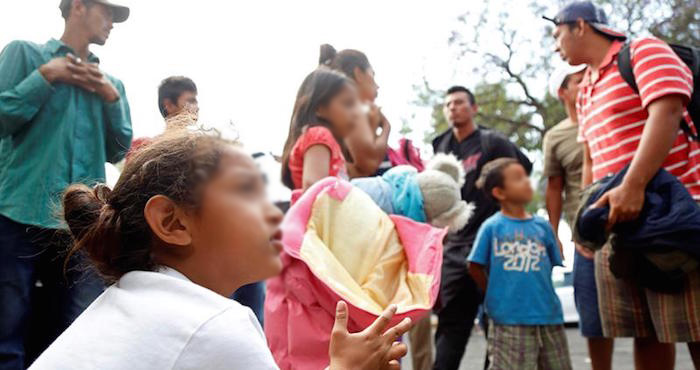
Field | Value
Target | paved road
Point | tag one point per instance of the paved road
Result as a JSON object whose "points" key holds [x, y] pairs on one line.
{"points": [[622, 359]]}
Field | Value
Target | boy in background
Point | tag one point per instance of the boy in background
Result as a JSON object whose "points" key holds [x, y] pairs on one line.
{"points": [[512, 262]]}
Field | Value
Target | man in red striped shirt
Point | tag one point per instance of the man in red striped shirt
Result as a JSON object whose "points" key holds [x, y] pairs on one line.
{"points": [[620, 127]]}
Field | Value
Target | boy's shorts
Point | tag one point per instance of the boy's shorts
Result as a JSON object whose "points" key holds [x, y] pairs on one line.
{"points": [[586, 297], [528, 347], [628, 310]]}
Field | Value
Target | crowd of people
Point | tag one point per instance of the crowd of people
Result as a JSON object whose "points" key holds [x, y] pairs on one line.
{"points": [[149, 274]]}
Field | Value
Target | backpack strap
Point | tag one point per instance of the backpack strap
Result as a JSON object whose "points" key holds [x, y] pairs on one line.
{"points": [[485, 137], [486, 140], [444, 142], [624, 64]]}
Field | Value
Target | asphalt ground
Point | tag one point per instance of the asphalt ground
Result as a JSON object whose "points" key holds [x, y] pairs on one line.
{"points": [[622, 357]]}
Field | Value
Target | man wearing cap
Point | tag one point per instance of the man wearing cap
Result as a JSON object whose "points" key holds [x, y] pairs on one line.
{"points": [[61, 119], [563, 162], [621, 127]]}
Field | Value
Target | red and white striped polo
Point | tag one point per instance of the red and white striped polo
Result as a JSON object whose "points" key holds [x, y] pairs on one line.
{"points": [[612, 115]]}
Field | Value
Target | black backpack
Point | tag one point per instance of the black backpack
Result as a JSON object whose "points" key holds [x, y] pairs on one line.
{"points": [[488, 137], [690, 56]]}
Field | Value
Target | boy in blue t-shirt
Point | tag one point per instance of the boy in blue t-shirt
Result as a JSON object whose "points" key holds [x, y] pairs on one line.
{"points": [[512, 262]]}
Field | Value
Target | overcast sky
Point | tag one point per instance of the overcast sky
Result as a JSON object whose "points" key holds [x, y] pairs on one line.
{"points": [[248, 58]]}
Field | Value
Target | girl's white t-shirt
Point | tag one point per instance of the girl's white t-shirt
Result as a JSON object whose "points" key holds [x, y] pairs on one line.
{"points": [[160, 320]]}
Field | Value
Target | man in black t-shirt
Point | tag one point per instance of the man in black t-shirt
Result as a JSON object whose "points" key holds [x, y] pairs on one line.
{"points": [[459, 297]]}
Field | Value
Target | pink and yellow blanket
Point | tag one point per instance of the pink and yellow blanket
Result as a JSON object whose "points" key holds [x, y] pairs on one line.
{"points": [[339, 245]]}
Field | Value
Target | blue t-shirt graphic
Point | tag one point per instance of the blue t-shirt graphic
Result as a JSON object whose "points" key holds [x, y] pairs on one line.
{"points": [[519, 256]]}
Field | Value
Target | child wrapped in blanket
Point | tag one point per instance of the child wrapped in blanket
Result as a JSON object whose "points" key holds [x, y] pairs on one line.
{"points": [[431, 196]]}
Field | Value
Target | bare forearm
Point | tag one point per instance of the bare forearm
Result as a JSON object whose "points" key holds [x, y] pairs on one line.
{"points": [[587, 175], [478, 273], [660, 131], [554, 201]]}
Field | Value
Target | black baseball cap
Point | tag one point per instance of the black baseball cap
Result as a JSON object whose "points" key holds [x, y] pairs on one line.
{"points": [[120, 13], [591, 14]]}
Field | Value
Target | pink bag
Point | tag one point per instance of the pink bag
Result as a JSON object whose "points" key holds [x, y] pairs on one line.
{"points": [[320, 262], [406, 154]]}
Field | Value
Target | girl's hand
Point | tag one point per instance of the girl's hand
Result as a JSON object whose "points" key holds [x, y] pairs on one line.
{"points": [[375, 117], [373, 348]]}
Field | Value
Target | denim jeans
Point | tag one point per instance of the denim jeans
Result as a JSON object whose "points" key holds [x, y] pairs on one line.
{"points": [[586, 297], [39, 298], [252, 296]]}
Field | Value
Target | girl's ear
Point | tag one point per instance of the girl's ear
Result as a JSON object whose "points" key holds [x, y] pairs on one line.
{"points": [[358, 74], [167, 221]]}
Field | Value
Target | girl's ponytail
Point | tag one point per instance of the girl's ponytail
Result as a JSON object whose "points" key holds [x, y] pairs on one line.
{"points": [[345, 61], [82, 208], [327, 55], [95, 228]]}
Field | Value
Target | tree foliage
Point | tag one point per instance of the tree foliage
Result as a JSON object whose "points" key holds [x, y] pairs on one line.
{"points": [[512, 96]]}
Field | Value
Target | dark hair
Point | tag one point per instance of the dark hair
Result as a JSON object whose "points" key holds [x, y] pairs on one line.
{"points": [[344, 61], [171, 88], [65, 6], [109, 225], [457, 88], [317, 90], [492, 175]]}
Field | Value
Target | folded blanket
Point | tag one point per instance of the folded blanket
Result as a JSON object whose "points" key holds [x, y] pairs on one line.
{"points": [[657, 249], [338, 244]]}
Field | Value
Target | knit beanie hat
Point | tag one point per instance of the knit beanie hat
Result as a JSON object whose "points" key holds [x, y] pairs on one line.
{"points": [[440, 185]]}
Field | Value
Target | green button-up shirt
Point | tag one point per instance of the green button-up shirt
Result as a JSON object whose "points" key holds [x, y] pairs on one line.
{"points": [[52, 135]]}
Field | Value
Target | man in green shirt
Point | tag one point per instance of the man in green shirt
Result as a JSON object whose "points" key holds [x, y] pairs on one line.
{"points": [[61, 119]]}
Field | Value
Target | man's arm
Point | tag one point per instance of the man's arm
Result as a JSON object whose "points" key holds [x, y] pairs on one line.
{"points": [[554, 172], [554, 201], [478, 273], [586, 179], [660, 131], [119, 132], [22, 91], [587, 173]]}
